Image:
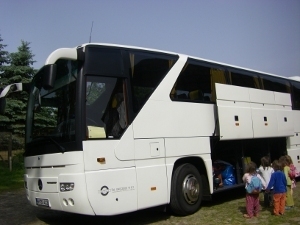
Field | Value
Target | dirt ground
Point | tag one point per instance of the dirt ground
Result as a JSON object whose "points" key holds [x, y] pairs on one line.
{"points": [[226, 208]]}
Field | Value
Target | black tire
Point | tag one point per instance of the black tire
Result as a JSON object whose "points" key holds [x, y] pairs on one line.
{"points": [[186, 190]]}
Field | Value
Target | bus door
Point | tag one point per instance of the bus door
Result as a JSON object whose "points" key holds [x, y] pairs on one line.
{"points": [[109, 149]]}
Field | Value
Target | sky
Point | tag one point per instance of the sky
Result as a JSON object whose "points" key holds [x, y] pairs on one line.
{"points": [[262, 35]]}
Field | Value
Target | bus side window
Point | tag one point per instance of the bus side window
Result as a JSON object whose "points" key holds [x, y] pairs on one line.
{"points": [[194, 83], [116, 116]]}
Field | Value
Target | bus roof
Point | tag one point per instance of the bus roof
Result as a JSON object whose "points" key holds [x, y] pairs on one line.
{"points": [[295, 78]]}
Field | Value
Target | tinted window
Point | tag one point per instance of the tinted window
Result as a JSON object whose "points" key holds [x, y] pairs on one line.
{"points": [[56, 115], [197, 83], [296, 95], [244, 80], [103, 61], [275, 84], [146, 71], [106, 115]]}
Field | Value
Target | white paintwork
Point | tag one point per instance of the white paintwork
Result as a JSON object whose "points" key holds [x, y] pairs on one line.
{"points": [[261, 96], [282, 99], [285, 121], [187, 146], [120, 187], [53, 169], [62, 53], [229, 128], [232, 93], [296, 118], [103, 149], [125, 147], [194, 120], [162, 93], [294, 141], [260, 113], [151, 172], [11, 88], [262, 128]]}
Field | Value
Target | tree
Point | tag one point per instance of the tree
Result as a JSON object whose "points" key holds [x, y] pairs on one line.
{"points": [[3, 61], [3, 57], [19, 70]]}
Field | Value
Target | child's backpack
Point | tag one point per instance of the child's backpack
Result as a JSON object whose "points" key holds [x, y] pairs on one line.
{"points": [[293, 172], [255, 185]]}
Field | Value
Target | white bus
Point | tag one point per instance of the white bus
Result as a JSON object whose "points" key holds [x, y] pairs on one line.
{"points": [[134, 128]]}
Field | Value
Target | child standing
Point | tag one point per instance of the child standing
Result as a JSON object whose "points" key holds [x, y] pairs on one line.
{"points": [[265, 170], [286, 169], [278, 182], [252, 200], [293, 172]]}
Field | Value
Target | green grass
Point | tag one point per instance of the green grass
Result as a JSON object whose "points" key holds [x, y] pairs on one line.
{"points": [[12, 180], [229, 207]]}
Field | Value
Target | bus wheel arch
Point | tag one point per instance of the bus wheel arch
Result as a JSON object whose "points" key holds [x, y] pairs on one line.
{"points": [[186, 190]]}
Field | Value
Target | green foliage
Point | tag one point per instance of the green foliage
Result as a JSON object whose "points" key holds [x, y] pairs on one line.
{"points": [[3, 55], [16, 68], [18, 161]]}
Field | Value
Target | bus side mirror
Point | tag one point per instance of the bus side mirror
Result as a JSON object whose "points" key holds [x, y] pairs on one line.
{"points": [[16, 87], [2, 105], [48, 76]]}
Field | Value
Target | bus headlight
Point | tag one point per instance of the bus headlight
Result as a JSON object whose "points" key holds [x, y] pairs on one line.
{"points": [[66, 187]]}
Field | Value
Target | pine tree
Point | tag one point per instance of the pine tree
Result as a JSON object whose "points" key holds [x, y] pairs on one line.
{"points": [[3, 59], [19, 70]]}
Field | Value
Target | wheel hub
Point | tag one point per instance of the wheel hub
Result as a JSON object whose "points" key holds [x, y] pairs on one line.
{"points": [[190, 189]]}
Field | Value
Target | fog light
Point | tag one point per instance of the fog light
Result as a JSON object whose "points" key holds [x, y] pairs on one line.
{"points": [[66, 187], [65, 202], [71, 202]]}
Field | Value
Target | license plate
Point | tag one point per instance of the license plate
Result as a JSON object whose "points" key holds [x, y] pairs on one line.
{"points": [[42, 202]]}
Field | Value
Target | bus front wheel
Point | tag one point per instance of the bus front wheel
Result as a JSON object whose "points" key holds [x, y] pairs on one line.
{"points": [[186, 190]]}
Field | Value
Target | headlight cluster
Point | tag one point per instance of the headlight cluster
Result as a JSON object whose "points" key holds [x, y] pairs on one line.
{"points": [[66, 187]]}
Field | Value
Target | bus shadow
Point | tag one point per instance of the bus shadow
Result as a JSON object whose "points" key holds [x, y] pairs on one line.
{"points": [[146, 216], [222, 197]]}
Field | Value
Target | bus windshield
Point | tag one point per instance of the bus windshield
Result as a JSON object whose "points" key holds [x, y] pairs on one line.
{"points": [[51, 113]]}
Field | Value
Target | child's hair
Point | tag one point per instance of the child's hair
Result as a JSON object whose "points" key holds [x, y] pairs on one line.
{"points": [[251, 168], [289, 160], [265, 162], [276, 165], [283, 161]]}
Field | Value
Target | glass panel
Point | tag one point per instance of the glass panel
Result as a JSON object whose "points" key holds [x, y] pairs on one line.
{"points": [[296, 95], [193, 84], [103, 61], [54, 114], [105, 107], [276, 84], [244, 80], [147, 70]]}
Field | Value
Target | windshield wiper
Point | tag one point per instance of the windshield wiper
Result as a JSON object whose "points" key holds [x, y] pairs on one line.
{"points": [[59, 147]]}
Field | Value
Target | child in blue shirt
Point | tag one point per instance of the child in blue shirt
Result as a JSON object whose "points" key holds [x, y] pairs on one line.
{"points": [[278, 182]]}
